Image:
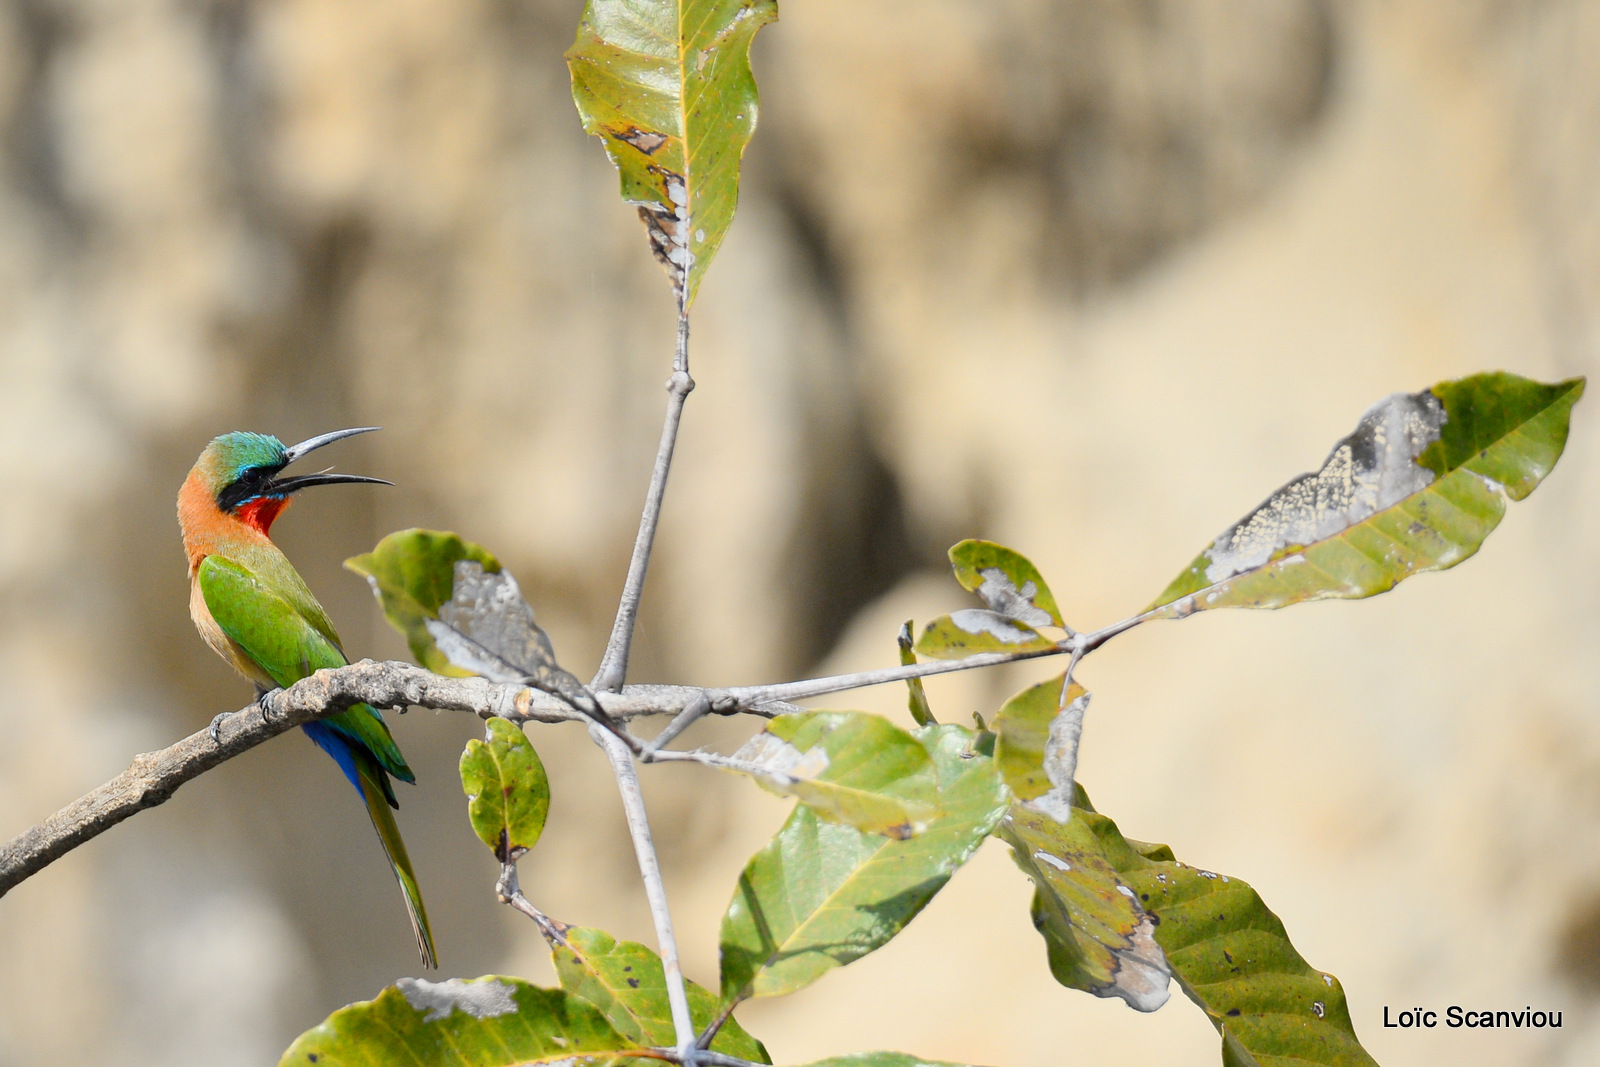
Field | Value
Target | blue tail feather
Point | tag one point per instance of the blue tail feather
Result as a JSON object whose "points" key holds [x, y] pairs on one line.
{"points": [[334, 744]]}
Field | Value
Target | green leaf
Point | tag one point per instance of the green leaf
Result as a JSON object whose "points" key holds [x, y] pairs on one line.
{"points": [[507, 791], [1007, 581], [849, 767], [920, 711], [412, 573], [820, 895], [626, 981], [666, 85], [1036, 743], [1099, 938], [880, 1059], [1416, 487], [972, 631], [483, 1022], [1233, 958]]}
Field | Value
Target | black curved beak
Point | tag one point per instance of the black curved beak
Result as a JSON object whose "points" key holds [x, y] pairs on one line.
{"points": [[294, 485], [294, 452]]}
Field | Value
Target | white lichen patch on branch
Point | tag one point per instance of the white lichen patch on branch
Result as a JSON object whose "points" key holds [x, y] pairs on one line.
{"points": [[1001, 593], [485, 998], [1372, 469]]}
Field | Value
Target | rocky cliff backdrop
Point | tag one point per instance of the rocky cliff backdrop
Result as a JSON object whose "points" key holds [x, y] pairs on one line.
{"points": [[1089, 277]]}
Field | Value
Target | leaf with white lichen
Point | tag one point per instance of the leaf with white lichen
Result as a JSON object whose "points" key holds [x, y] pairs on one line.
{"points": [[972, 631], [412, 573], [488, 628], [849, 767], [1036, 743], [492, 1021], [1007, 581], [1416, 487], [667, 87], [821, 895]]}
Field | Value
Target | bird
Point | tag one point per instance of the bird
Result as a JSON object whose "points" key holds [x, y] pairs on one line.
{"points": [[256, 612]]}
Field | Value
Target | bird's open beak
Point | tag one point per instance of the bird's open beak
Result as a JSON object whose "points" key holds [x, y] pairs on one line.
{"points": [[294, 452]]}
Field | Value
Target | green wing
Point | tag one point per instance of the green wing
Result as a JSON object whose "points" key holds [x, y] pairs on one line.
{"points": [[279, 639], [288, 647]]}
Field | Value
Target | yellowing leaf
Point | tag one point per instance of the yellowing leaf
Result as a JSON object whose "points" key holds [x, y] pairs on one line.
{"points": [[666, 85]]}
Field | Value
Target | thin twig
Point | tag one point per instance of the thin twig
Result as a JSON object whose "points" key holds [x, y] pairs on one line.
{"points": [[614, 664], [655, 891], [719, 761], [812, 687], [709, 1034], [681, 722], [1077, 645], [510, 892]]}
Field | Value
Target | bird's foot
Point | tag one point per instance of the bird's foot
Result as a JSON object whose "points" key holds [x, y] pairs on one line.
{"points": [[216, 727], [264, 703]]}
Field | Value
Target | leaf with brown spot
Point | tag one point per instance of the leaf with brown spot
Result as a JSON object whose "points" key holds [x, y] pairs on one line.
{"points": [[1098, 936], [667, 87], [507, 792], [918, 698], [625, 980], [493, 1021]]}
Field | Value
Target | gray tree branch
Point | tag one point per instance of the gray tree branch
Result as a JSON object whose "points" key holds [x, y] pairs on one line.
{"points": [[153, 777], [614, 664]]}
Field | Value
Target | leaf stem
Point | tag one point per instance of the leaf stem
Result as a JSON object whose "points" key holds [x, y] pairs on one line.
{"points": [[614, 664]]}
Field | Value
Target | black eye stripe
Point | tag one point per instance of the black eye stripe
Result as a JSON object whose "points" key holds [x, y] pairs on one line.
{"points": [[245, 487]]}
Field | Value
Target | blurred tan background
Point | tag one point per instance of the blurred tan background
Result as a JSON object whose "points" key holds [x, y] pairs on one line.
{"points": [[1084, 276]]}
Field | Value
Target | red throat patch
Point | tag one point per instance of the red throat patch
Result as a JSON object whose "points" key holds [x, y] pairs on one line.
{"points": [[262, 512]]}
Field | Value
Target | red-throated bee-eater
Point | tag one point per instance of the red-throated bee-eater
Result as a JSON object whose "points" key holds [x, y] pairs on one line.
{"points": [[254, 610]]}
